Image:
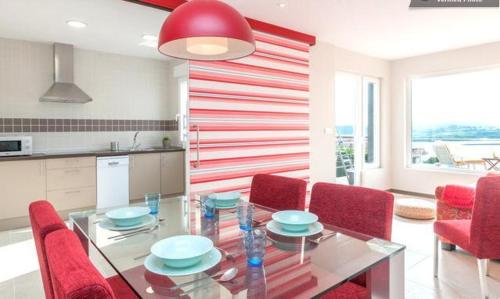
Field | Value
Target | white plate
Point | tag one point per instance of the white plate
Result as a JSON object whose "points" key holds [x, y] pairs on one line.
{"points": [[226, 207], [314, 228], [156, 266], [108, 224]]}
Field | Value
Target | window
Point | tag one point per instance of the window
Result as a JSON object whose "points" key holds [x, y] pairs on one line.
{"points": [[455, 120]]}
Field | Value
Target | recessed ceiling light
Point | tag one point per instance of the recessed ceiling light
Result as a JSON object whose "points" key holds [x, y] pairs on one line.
{"points": [[149, 43], [150, 37], [76, 24], [282, 4]]}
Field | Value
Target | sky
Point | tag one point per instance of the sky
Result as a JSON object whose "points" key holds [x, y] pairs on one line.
{"points": [[471, 98]]}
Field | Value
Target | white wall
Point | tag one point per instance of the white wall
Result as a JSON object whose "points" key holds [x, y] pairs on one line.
{"points": [[122, 87], [425, 181], [327, 59]]}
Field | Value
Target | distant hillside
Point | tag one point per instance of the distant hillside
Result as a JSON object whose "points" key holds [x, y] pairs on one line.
{"points": [[456, 132]]}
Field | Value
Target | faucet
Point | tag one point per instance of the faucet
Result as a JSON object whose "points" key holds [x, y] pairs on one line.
{"points": [[135, 145]]}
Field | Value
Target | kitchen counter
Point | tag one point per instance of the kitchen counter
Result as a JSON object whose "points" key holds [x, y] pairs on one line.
{"points": [[103, 153]]}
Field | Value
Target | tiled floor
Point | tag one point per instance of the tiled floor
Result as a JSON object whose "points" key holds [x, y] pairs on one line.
{"points": [[20, 278]]}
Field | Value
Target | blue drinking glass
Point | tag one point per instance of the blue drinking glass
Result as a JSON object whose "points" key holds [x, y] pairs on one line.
{"points": [[245, 210], [255, 246], [207, 206], [153, 202]]}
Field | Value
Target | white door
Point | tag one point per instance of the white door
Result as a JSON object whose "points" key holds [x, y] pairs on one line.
{"points": [[357, 120]]}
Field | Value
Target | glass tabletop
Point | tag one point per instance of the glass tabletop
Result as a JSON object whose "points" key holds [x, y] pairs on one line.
{"points": [[293, 267]]}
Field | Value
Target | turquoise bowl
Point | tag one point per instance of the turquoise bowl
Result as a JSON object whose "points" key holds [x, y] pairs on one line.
{"points": [[294, 221], [226, 199], [182, 251], [128, 216]]}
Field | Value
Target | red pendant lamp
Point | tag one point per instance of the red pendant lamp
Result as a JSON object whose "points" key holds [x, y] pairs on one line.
{"points": [[206, 30]]}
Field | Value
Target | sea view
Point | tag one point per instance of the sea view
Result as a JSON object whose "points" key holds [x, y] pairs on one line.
{"points": [[467, 149]]}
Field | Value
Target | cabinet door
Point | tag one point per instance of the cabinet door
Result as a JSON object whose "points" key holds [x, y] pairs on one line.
{"points": [[72, 198], [21, 183], [172, 173], [144, 174]]}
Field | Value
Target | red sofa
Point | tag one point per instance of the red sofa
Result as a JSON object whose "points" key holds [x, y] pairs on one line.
{"points": [[66, 270]]}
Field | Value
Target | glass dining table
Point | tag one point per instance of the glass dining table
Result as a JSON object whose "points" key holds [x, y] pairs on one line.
{"points": [[294, 267]]}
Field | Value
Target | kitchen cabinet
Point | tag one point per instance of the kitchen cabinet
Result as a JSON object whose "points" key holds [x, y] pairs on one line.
{"points": [[144, 174], [71, 183], [172, 173], [21, 183]]}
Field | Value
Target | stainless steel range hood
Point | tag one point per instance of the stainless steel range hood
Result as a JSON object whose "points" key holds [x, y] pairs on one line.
{"points": [[64, 90]]}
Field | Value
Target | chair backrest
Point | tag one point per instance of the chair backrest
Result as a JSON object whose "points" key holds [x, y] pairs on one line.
{"points": [[485, 223], [359, 209], [443, 153], [278, 192], [44, 220], [72, 273]]}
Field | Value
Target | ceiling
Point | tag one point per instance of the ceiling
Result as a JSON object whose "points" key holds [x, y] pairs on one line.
{"points": [[114, 26], [382, 28]]}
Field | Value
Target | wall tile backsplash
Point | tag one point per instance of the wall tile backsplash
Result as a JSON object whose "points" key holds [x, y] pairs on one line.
{"points": [[48, 125]]}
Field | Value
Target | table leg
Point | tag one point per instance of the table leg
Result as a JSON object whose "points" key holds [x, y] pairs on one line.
{"points": [[387, 280], [82, 237]]}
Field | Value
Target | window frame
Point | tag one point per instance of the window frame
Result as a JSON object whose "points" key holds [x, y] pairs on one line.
{"points": [[377, 120]]}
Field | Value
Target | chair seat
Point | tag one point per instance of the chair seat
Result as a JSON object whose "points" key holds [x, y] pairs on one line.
{"points": [[457, 231], [120, 288], [348, 290]]}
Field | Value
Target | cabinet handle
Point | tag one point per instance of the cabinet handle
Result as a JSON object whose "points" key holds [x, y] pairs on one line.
{"points": [[72, 192], [72, 171], [197, 163]]}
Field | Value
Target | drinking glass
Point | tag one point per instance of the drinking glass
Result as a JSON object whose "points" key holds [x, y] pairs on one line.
{"points": [[153, 202], [255, 246], [207, 206], [244, 210]]}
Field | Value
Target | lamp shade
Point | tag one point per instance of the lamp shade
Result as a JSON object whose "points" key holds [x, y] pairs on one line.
{"points": [[206, 30]]}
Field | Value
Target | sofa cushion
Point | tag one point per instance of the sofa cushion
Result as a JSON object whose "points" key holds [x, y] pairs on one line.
{"points": [[457, 231], [72, 273]]}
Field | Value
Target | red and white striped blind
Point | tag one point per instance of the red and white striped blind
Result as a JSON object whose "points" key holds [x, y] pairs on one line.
{"points": [[252, 115]]}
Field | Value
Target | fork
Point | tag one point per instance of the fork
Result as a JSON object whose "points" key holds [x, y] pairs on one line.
{"points": [[137, 231], [141, 231], [322, 238]]}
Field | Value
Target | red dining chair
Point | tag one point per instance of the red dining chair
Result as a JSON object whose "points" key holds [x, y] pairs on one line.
{"points": [[278, 192], [363, 210], [479, 235], [44, 220]]}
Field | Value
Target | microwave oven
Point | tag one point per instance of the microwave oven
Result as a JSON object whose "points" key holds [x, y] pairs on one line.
{"points": [[16, 146]]}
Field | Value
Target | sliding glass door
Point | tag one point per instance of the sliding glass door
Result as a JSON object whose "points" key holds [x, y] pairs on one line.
{"points": [[357, 119]]}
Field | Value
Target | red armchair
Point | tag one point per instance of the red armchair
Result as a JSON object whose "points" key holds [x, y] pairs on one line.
{"points": [[358, 209], [479, 235], [278, 192], [446, 209]]}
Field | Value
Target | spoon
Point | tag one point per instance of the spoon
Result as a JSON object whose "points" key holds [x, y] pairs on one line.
{"points": [[228, 275]]}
